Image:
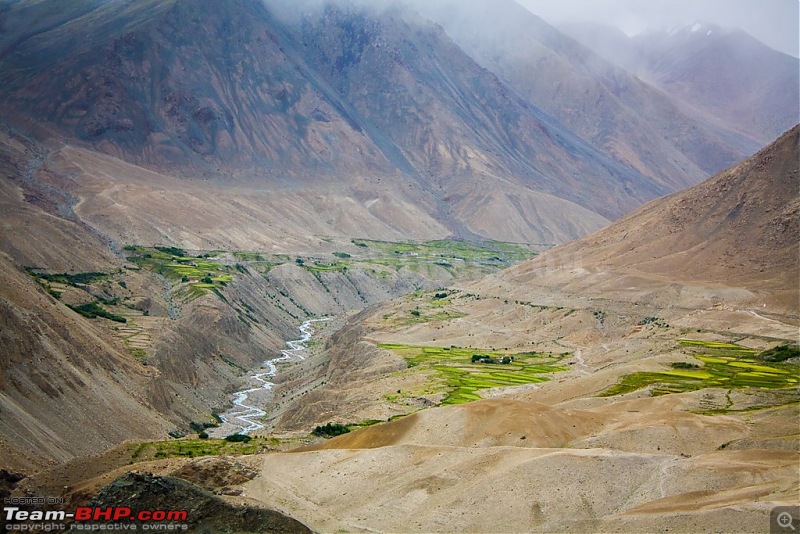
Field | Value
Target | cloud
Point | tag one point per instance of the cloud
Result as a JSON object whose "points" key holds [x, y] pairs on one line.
{"points": [[773, 22]]}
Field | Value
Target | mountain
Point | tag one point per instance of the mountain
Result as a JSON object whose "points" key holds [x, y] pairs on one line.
{"points": [[341, 97], [738, 229], [717, 73], [612, 109]]}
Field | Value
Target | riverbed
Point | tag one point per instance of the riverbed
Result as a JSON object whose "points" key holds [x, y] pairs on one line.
{"points": [[244, 417]]}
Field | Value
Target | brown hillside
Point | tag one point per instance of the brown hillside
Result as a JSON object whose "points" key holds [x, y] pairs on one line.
{"points": [[736, 229]]}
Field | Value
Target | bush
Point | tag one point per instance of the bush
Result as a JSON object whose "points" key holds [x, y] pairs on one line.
{"points": [[415, 313], [93, 309], [202, 435], [780, 353], [330, 430], [207, 280], [174, 251], [684, 365], [234, 438]]}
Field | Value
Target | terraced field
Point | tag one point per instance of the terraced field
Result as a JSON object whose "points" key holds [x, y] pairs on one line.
{"points": [[725, 365], [200, 274], [429, 258], [462, 372]]}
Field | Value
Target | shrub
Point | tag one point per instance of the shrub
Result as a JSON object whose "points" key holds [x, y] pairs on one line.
{"points": [[684, 365], [234, 438], [780, 353], [415, 313], [93, 309], [202, 435], [330, 430], [174, 251]]}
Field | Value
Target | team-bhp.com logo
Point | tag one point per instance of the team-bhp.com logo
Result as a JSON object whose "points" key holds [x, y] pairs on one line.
{"points": [[87, 518]]}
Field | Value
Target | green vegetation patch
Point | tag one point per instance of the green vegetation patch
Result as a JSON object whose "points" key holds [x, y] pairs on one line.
{"points": [[74, 280], [330, 430], [191, 448], [327, 266], [429, 316], [463, 257], [725, 365], [201, 274], [429, 306], [94, 309], [449, 249], [780, 353], [465, 371]]}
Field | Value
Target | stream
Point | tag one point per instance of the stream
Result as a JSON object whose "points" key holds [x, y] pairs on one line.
{"points": [[245, 412]]}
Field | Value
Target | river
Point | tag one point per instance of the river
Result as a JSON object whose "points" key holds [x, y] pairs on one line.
{"points": [[244, 415]]}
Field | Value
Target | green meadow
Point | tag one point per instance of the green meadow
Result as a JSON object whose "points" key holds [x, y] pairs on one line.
{"points": [[724, 365], [462, 375]]}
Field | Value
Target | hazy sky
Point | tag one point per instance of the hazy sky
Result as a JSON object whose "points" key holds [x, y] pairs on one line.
{"points": [[773, 22]]}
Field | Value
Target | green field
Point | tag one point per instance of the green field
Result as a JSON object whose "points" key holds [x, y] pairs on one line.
{"points": [[725, 365], [448, 254], [453, 256], [199, 273], [460, 378]]}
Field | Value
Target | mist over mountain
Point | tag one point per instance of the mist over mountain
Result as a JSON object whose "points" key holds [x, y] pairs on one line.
{"points": [[618, 113], [719, 74]]}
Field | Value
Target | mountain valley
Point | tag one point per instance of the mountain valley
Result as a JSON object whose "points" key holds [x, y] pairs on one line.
{"points": [[556, 278]]}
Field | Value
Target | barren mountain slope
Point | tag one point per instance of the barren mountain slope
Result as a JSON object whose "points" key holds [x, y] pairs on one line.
{"points": [[51, 358], [737, 229], [355, 102]]}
